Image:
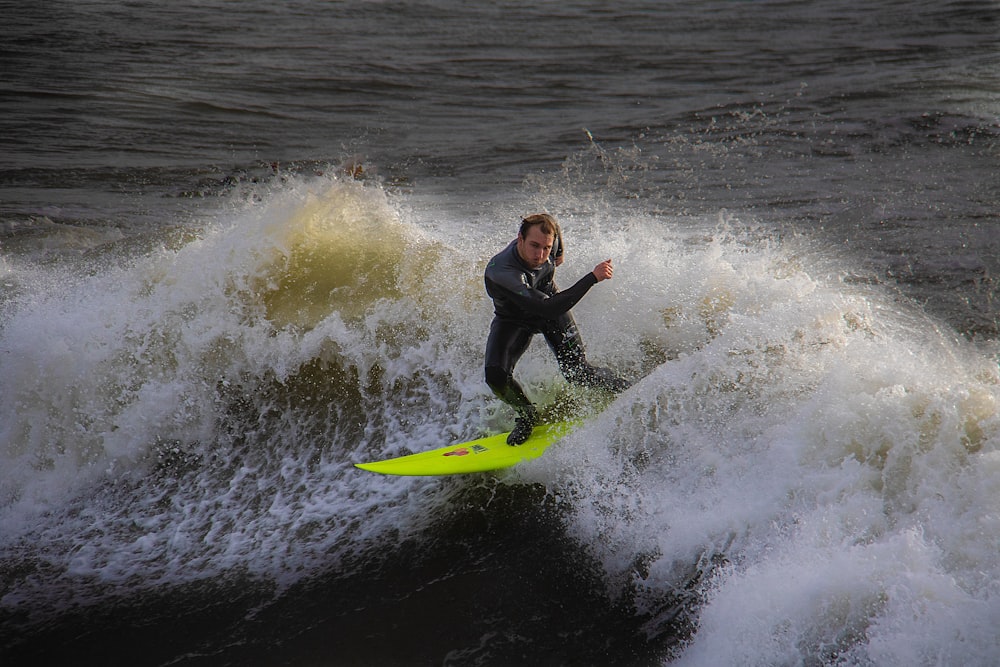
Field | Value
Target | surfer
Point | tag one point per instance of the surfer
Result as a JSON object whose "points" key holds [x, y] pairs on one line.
{"points": [[526, 302]]}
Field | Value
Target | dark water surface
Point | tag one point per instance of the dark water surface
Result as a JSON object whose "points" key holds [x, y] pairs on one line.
{"points": [[241, 248]]}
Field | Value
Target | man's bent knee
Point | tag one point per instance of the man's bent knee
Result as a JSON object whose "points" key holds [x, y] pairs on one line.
{"points": [[497, 378]]}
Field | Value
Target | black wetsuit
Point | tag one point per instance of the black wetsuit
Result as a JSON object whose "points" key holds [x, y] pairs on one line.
{"points": [[527, 302]]}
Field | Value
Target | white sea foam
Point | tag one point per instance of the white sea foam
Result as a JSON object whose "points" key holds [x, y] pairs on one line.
{"points": [[823, 458], [198, 410]]}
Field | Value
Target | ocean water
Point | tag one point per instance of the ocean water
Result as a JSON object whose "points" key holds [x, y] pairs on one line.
{"points": [[241, 248]]}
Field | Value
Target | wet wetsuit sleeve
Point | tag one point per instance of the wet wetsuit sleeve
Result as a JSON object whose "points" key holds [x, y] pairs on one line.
{"points": [[536, 303]]}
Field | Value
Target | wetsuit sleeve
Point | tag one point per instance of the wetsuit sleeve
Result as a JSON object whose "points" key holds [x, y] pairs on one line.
{"points": [[536, 303], [548, 288]]}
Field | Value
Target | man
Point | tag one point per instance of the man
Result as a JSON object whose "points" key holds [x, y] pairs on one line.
{"points": [[526, 301]]}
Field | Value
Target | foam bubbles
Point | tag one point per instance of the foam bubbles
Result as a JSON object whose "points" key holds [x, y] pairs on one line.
{"points": [[195, 411], [811, 458], [805, 466]]}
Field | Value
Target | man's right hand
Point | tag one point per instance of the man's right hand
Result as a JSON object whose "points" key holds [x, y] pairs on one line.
{"points": [[604, 270]]}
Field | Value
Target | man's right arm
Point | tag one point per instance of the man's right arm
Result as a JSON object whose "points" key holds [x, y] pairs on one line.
{"points": [[535, 303]]}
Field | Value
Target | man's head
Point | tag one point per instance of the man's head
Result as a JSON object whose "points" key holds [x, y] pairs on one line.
{"points": [[536, 238]]}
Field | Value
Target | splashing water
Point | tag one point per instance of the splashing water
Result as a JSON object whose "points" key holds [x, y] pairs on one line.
{"points": [[804, 470]]}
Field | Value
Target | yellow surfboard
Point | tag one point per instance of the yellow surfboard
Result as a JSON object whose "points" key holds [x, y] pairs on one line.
{"points": [[489, 453]]}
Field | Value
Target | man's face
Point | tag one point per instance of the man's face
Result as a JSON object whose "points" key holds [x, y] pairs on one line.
{"points": [[534, 248]]}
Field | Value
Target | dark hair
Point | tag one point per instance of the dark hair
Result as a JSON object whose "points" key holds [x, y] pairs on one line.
{"points": [[546, 223]]}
